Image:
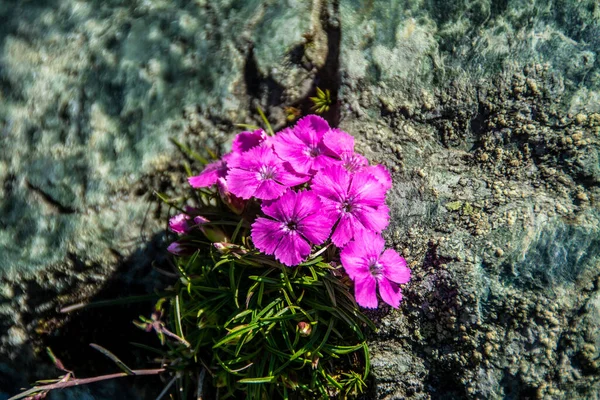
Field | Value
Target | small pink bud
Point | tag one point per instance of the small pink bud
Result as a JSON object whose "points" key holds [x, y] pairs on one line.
{"points": [[180, 223], [176, 248], [304, 328]]}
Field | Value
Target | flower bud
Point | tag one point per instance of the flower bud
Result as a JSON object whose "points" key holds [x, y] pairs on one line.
{"points": [[176, 248], [224, 247], [212, 233], [304, 328], [179, 223], [234, 203]]}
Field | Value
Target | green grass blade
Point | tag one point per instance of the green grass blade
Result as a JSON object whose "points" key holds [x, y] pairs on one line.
{"points": [[114, 358]]}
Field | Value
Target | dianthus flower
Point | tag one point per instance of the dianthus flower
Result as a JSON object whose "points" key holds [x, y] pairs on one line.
{"points": [[217, 170], [297, 223], [245, 141], [212, 172], [369, 266], [356, 201], [303, 145], [260, 173], [342, 145]]}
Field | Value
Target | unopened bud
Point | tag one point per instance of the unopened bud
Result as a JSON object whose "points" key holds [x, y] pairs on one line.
{"points": [[304, 328], [234, 203], [179, 223], [224, 247], [212, 233]]}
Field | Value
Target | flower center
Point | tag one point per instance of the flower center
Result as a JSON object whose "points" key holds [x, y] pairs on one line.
{"points": [[375, 268], [266, 172], [289, 226], [314, 151], [348, 205], [292, 225], [350, 162]]}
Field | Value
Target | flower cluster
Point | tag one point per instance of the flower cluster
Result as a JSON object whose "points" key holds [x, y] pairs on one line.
{"points": [[312, 187]]}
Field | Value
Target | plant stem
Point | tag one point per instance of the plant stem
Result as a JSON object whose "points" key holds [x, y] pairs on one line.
{"points": [[85, 381]]}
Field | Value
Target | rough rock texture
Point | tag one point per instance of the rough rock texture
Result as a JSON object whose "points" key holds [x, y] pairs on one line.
{"points": [[487, 112]]}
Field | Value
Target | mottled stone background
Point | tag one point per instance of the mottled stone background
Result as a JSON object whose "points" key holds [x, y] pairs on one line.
{"points": [[486, 111]]}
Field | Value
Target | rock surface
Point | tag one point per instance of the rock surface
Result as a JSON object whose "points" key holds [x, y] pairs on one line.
{"points": [[487, 112]]}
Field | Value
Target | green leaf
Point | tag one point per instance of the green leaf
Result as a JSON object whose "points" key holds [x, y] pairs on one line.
{"points": [[178, 327], [114, 358], [265, 379], [189, 152], [248, 126], [266, 121]]}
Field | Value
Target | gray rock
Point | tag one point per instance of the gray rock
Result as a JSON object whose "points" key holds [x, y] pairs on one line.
{"points": [[484, 111]]}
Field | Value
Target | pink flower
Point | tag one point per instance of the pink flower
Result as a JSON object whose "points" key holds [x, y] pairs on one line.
{"points": [[245, 141], [342, 145], [210, 175], [357, 201], [260, 173], [380, 173], [303, 146], [369, 266], [180, 223], [297, 222]]}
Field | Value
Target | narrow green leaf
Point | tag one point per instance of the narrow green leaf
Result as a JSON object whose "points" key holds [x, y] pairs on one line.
{"points": [[237, 230], [114, 358], [330, 292], [266, 121], [266, 379], [178, 327], [248, 126], [189, 152]]}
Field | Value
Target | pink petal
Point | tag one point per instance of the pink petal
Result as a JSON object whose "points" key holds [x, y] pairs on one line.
{"points": [[266, 235], [332, 183], [254, 158], [338, 142], [292, 249], [245, 141], [365, 292], [179, 223], [288, 177], [374, 219], [282, 208], [371, 244], [344, 231], [269, 190], [390, 293], [242, 183], [291, 149], [209, 176], [394, 267], [315, 228], [382, 174], [307, 203], [366, 189], [354, 262], [311, 129], [323, 161]]}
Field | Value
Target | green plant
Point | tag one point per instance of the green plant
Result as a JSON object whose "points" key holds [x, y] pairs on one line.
{"points": [[261, 329], [321, 101]]}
